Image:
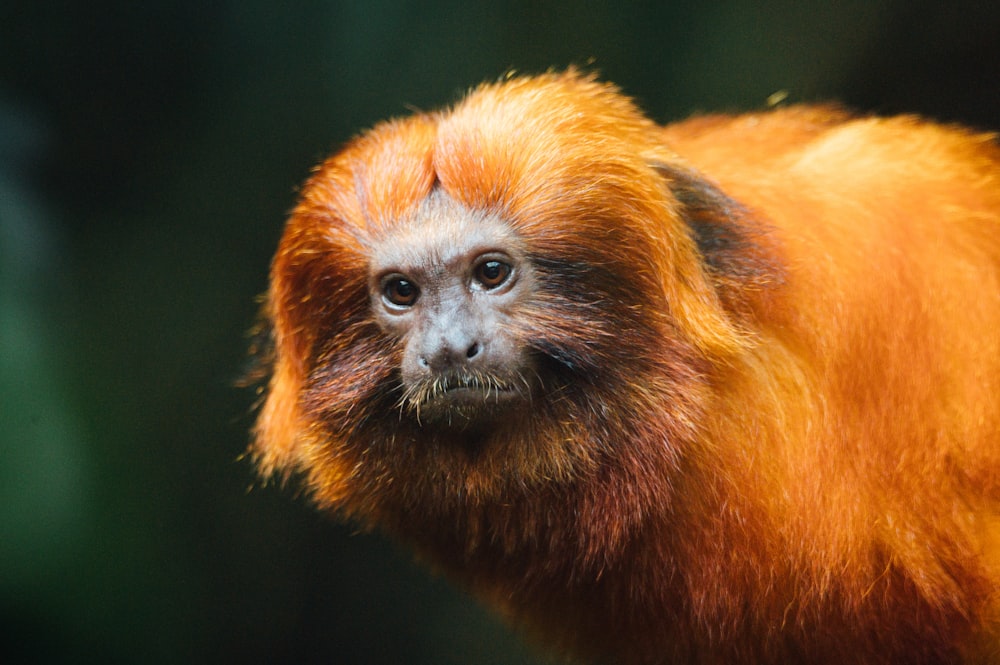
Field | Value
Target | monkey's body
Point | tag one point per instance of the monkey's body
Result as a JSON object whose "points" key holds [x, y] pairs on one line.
{"points": [[760, 356]]}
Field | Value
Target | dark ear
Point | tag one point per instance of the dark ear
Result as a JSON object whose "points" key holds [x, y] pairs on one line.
{"points": [[732, 241]]}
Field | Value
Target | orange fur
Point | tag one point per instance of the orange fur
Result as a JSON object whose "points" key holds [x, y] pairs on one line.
{"points": [[780, 438]]}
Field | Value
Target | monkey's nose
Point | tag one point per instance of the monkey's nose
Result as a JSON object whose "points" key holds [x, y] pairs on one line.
{"points": [[450, 355]]}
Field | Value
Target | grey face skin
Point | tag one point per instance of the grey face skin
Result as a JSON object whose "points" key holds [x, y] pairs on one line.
{"points": [[448, 286]]}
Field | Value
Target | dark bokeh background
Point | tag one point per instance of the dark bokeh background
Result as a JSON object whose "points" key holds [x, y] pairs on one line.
{"points": [[148, 155]]}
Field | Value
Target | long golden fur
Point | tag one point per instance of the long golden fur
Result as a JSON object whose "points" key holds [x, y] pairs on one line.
{"points": [[769, 423]]}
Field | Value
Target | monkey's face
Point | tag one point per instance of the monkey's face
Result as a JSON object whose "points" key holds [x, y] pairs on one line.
{"points": [[448, 288]]}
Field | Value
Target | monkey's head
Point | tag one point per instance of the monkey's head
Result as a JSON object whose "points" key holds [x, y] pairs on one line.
{"points": [[470, 303]]}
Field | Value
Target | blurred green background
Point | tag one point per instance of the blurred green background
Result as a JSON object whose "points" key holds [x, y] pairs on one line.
{"points": [[148, 155]]}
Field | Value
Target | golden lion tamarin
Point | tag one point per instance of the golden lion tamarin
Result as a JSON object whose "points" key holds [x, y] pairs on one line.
{"points": [[725, 391]]}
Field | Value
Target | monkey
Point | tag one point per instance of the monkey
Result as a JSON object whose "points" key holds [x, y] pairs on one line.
{"points": [[718, 391]]}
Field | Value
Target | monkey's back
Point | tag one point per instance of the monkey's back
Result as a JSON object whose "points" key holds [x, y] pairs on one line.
{"points": [[888, 230], [888, 318]]}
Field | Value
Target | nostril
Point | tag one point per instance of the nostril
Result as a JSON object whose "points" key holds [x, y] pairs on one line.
{"points": [[472, 351]]}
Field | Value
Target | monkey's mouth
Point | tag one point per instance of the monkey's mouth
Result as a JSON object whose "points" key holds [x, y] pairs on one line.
{"points": [[461, 397], [468, 386]]}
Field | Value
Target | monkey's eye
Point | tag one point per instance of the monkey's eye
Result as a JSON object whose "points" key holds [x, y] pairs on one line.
{"points": [[492, 273], [400, 292]]}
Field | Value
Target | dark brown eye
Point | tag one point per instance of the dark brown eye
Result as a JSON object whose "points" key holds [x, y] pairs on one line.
{"points": [[491, 274], [400, 292]]}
